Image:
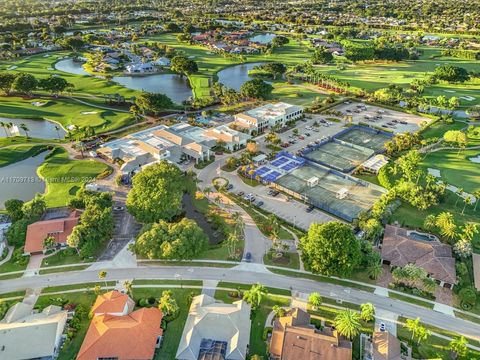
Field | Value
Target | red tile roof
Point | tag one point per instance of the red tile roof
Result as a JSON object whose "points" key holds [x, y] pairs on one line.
{"points": [[60, 229], [133, 336], [112, 302], [433, 256]]}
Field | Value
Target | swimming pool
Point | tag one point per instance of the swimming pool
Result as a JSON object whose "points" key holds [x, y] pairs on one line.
{"points": [[415, 235]]}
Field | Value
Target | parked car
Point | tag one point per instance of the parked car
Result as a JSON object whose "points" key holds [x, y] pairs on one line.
{"points": [[301, 137], [118, 208], [248, 257], [229, 187], [260, 203], [309, 209], [241, 193], [307, 134], [382, 327]]}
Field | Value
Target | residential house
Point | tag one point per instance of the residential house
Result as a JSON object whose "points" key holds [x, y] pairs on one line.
{"points": [[261, 118], [215, 330], [401, 247], [294, 338], [386, 347], [118, 332], [28, 335], [60, 229]]}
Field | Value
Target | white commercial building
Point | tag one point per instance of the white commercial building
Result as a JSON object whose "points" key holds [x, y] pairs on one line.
{"points": [[267, 116]]}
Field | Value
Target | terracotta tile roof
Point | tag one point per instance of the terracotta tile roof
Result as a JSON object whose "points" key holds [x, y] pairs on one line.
{"points": [[112, 302], [386, 346], [293, 338], [60, 229], [433, 256], [133, 336]]}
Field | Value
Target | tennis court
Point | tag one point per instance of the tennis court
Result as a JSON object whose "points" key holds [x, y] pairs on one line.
{"points": [[339, 156], [368, 138], [323, 195]]}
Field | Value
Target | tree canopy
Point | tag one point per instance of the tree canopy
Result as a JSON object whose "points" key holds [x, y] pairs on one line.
{"points": [[181, 241], [149, 103], [330, 249], [256, 88], [451, 73], [156, 193], [183, 65]]}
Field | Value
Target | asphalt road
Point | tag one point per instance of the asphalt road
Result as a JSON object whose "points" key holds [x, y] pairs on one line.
{"points": [[427, 316]]}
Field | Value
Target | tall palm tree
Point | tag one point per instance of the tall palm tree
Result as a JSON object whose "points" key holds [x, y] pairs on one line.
{"points": [[255, 295], [102, 275], [459, 193], [466, 201], [348, 324], [25, 129], [418, 330], [4, 126], [476, 193]]}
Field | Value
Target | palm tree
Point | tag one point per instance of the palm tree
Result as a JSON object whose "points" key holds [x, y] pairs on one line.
{"points": [[418, 330], [25, 129], [459, 193], [207, 191], [430, 222], [9, 126], [476, 193], [315, 300], [375, 269], [459, 347], [347, 323], [167, 303], [367, 312], [278, 310], [255, 295], [466, 201], [128, 285], [4, 126], [102, 274]]}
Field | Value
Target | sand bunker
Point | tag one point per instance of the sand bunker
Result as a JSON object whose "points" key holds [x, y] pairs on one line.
{"points": [[89, 112], [13, 67]]}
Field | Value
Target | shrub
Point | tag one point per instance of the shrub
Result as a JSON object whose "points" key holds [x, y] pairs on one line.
{"points": [[266, 332], [468, 296]]}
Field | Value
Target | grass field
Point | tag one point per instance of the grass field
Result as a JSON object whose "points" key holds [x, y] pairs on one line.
{"points": [[17, 153], [64, 177], [456, 168], [66, 112]]}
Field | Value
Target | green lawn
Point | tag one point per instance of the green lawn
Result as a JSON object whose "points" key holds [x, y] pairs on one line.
{"points": [[17, 153], [62, 257], [291, 260], [456, 168], [64, 177], [66, 112], [433, 348], [410, 300]]}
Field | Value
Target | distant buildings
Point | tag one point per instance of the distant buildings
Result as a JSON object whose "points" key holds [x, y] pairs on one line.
{"points": [[117, 332], [59, 229], [28, 335], [215, 330], [267, 116], [175, 143], [401, 247], [294, 338]]}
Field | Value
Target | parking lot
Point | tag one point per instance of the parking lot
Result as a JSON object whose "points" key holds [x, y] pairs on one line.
{"points": [[396, 121], [281, 205], [307, 133]]}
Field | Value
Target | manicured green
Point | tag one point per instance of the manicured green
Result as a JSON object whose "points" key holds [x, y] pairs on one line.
{"points": [[64, 177], [62, 257], [290, 260], [16, 153], [410, 300]]}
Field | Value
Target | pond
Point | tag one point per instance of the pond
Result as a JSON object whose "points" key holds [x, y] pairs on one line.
{"points": [[20, 180], [71, 67], [172, 85], [263, 38], [234, 76], [435, 110], [42, 129]]}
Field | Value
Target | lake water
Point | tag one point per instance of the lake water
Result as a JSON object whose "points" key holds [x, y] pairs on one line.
{"points": [[36, 128], [263, 38], [234, 76], [71, 67], [172, 85], [20, 180]]}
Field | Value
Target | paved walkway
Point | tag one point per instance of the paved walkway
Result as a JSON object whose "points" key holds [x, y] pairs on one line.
{"points": [[34, 264], [209, 287], [9, 255]]}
